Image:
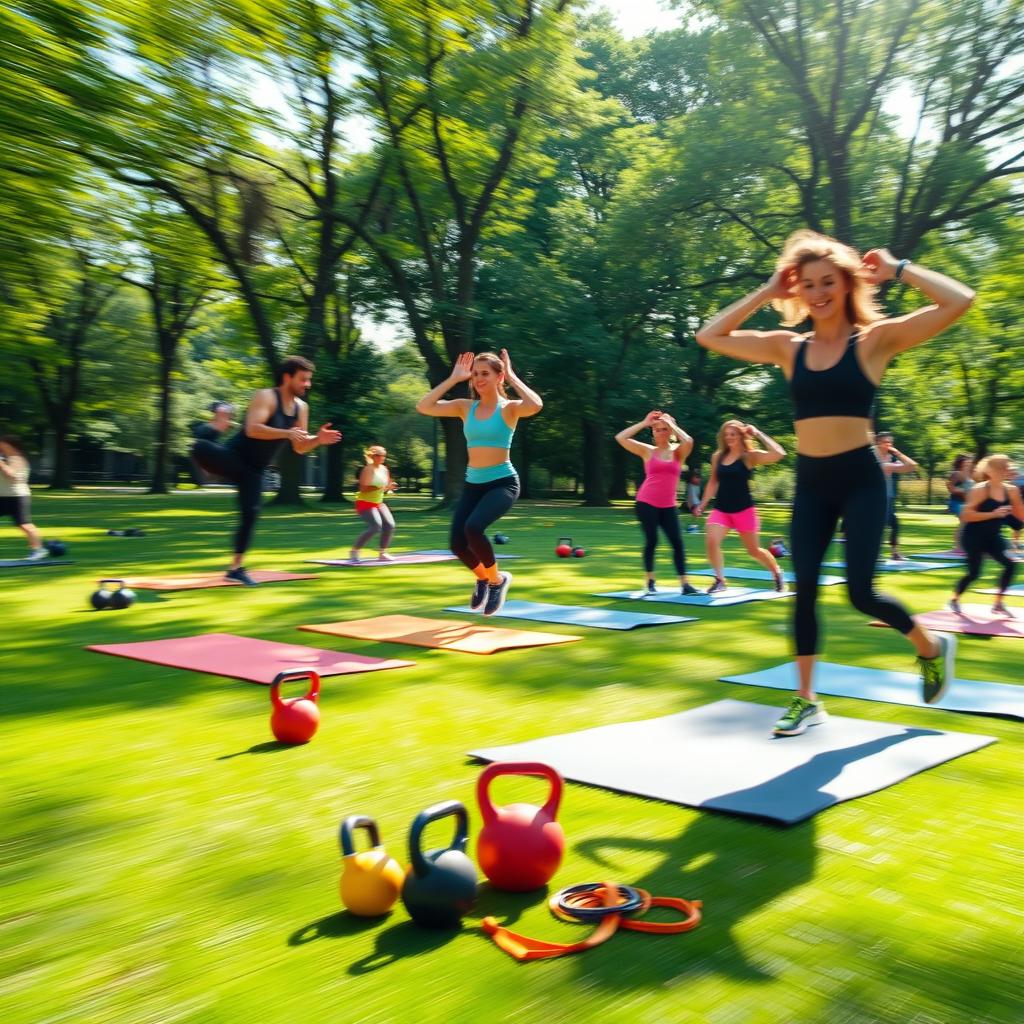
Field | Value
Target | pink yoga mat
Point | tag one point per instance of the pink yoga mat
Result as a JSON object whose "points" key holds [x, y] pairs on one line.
{"points": [[243, 657], [976, 619]]}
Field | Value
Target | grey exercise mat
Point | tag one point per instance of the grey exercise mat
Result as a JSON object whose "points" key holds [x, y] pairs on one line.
{"points": [[1017, 590], [17, 563], [570, 615], [723, 757], [893, 688], [957, 557], [764, 574], [888, 565], [724, 598]]}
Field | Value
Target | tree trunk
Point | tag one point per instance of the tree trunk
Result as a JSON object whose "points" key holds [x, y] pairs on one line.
{"points": [[595, 489], [454, 458], [163, 428], [524, 457], [334, 481], [289, 465], [61, 480], [620, 473]]}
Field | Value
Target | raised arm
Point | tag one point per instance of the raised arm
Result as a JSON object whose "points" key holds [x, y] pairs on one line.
{"points": [[685, 445], [433, 402], [529, 403], [302, 440], [905, 465], [722, 334], [625, 437], [774, 452], [950, 299]]}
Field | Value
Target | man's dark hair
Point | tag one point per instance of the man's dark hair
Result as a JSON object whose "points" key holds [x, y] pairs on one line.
{"points": [[292, 365], [882, 435]]}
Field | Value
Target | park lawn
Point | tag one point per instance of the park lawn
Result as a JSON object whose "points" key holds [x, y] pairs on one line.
{"points": [[163, 862]]}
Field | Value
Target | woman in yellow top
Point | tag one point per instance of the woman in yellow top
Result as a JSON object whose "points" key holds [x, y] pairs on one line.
{"points": [[15, 496], [374, 482]]}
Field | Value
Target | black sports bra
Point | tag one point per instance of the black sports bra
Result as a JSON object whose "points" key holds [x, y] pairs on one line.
{"points": [[841, 390]]}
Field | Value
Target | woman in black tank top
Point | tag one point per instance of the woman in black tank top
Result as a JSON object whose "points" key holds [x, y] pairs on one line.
{"points": [[834, 371], [990, 505]]}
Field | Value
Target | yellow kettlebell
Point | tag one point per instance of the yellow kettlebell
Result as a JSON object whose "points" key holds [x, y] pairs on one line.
{"points": [[371, 881]]}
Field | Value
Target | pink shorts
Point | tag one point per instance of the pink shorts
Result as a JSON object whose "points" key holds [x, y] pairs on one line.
{"points": [[742, 522]]}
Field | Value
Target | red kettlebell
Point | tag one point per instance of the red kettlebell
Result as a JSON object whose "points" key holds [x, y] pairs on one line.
{"points": [[297, 719], [578, 552], [564, 547], [520, 846]]}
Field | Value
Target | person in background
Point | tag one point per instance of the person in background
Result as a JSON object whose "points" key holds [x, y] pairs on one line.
{"points": [[15, 495], [893, 462]]}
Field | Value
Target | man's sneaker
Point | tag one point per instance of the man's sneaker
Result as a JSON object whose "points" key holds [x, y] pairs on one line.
{"points": [[353, 555], [384, 556], [652, 587], [496, 594], [937, 672], [476, 602], [37, 555], [239, 575], [800, 714], [954, 605], [688, 590], [717, 587], [780, 582]]}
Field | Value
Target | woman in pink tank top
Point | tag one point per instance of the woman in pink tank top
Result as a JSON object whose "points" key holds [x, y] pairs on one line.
{"points": [[656, 502]]}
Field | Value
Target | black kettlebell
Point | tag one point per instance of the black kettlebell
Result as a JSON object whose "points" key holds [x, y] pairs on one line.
{"points": [[106, 599], [57, 548], [440, 885], [501, 538]]}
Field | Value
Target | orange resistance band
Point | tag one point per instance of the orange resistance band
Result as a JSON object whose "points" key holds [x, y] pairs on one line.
{"points": [[522, 947]]}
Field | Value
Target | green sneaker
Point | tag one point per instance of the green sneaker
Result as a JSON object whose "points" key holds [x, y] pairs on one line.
{"points": [[799, 715], [937, 672]]}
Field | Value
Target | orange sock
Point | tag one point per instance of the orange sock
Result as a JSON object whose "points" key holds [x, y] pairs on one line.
{"points": [[480, 572], [493, 576]]}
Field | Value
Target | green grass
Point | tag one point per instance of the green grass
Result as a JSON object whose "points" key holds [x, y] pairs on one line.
{"points": [[163, 862]]}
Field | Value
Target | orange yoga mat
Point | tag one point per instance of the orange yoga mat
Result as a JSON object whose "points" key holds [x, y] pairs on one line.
{"points": [[202, 580], [467, 637]]}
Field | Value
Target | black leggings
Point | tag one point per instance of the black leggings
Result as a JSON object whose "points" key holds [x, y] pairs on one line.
{"points": [[893, 523], [479, 506], [222, 461], [976, 550], [651, 518], [849, 485]]}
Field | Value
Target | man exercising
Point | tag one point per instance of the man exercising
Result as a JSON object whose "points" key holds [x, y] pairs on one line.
{"points": [[275, 415], [218, 424]]}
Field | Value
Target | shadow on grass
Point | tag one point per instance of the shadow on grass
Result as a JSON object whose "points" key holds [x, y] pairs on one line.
{"points": [[400, 942], [340, 925], [268, 747]]}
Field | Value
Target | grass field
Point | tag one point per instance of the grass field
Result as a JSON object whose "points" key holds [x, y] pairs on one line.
{"points": [[163, 862]]}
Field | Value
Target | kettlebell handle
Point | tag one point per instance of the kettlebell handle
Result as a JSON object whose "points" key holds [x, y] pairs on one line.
{"points": [[567, 539], [496, 768], [346, 833], [112, 579], [419, 863], [290, 674]]}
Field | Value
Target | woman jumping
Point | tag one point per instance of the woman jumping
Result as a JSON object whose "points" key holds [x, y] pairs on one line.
{"points": [[731, 467], [656, 501], [374, 482], [492, 486], [990, 504], [834, 373]]}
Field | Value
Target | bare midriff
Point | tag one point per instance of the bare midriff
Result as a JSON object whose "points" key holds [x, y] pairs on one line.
{"points": [[484, 458], [831, 435]]}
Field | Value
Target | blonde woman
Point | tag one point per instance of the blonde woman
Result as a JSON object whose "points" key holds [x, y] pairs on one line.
{"points": [[990, 505], [834, 371], [732, 465], [16, 496], [656, 502], [489, 421], [374, 482]]}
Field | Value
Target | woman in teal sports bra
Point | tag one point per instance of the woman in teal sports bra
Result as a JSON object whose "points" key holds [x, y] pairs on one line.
{"points": [[492, 485]]}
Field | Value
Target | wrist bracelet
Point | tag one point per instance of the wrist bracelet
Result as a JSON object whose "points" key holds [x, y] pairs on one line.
{"points": [[900, 267]]}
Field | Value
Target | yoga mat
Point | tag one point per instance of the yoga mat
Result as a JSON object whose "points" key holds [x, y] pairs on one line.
{"points": [[940, 556], [409, 558], [17, 563], [1017, 590], [888, 565], [444, 634], [202, 580], [243, 657], [724, 598], [723, 757], [972, 619], [892, 688], [764, 574], [570, 615]]}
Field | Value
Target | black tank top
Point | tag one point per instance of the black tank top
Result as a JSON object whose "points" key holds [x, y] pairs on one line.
{"points": [[841, 390], [733, 487], [982, 531], [256, 452]]}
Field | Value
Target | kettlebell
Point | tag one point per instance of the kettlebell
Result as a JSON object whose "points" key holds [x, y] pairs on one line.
{"points": [[122, 597], [57, 548], [501, 538], [105, 598], [371, 881], [578, 552], [564, 547], [520, 846], [296, 719], [440, 885]]}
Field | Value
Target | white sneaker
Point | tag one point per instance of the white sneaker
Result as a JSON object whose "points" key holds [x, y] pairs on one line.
{"points": [[37, 555], [385, 557]]}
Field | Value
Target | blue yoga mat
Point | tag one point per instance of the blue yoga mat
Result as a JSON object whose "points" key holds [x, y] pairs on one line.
{"points": [[600, 618], [764, 574], [723, 757], [17, 563], [888, 565], [893, 688], [724, 598]]}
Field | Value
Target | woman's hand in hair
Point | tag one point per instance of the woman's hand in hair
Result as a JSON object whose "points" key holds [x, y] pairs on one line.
{"points": [[782, 284], [462, 368], [652, 417], [878, 265]]}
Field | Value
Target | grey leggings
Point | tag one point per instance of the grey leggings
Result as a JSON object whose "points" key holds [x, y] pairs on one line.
{"points": [[378, 520]]}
